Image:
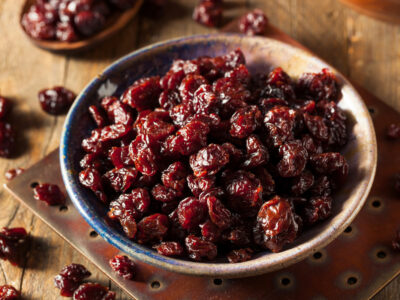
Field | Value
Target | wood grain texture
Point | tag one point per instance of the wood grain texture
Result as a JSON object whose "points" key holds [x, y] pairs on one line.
{"points": [[366, 50]]}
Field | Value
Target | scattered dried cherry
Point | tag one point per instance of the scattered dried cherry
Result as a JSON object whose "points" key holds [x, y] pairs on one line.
{"points": [[13, 242], [253, 23], [12, 173], [5, 107], [49, 193], [70, 278], [7, 139], [208, 13], [8, 292], [56, 100], [393, 131], [93, 291], [123, 266]]}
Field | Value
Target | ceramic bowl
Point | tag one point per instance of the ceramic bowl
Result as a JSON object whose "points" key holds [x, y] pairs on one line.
{"points": [[262, 54]]}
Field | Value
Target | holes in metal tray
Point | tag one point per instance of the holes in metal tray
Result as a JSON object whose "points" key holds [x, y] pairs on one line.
{"points": [[317, 255], [285, 281], [63, 208], [352, 280], [348, 229], [381, 254], [217, 281], [376, 203], [93, 234], [349, 280], [155, 284]]}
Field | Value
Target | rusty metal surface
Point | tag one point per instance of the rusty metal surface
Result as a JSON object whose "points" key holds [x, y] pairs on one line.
{"points": [[355, 266]]}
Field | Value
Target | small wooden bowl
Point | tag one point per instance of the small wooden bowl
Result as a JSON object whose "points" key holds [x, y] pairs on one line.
{"points": [[114, 23]]}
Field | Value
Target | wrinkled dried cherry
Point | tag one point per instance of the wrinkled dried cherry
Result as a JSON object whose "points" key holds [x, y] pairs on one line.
{"points": [[56, 100], [49, 193], [123, 266]]}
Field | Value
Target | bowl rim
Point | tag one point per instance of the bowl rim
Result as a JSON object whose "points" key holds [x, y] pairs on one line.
{"points": [[256, 266]]}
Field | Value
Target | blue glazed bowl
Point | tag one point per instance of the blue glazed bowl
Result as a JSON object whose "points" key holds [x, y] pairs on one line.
{"points": [[262, 54]]}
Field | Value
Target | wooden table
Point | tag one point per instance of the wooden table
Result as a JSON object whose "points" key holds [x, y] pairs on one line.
{"points": [[364, 49]]}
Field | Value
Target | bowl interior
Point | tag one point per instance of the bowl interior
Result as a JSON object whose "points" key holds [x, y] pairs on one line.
{"points": [[262, 54]]}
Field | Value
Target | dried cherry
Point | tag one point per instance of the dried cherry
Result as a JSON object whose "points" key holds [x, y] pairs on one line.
{"points": [[8, 292], [12, 173], [56, 100], [170, 249], [253, 23], [276, 224], [93, 291], [123, 266], [13, 242], [49, 193], [70, 278], [208, 13]]}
